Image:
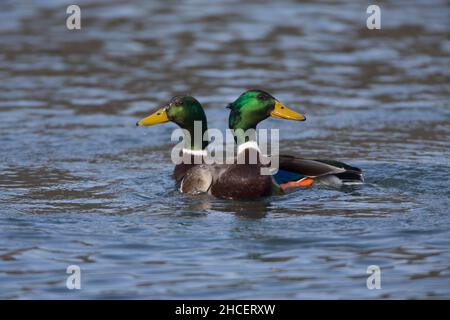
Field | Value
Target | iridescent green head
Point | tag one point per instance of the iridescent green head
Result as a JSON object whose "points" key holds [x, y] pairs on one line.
{"points": [[182, 110], [254, 106]]}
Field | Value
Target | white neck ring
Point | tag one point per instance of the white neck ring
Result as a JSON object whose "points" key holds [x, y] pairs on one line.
{"points": [[195, 152], [248, 145]]}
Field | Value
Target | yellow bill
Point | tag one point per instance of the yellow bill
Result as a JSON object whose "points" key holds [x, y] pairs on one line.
{"points": [[160, 116], [282, 112]]}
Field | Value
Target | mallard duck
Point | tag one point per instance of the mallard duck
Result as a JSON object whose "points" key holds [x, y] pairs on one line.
{"points": [[183, 111], [254, 106]]}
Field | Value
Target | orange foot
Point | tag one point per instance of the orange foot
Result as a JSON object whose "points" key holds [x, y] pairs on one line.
{"points": [[305, 182]]}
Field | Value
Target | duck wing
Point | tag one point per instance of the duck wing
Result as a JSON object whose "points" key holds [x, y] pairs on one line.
{"points": [[293, 168]]}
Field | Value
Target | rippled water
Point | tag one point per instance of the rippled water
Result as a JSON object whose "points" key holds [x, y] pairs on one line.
{"points": [[80, 184]]}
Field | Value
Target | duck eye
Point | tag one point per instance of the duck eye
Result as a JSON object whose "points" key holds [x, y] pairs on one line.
{"points": [[263, 96]]}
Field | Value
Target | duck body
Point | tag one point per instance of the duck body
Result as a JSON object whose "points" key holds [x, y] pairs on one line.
{"points": [[243, 182], [239, 181], [189, 163]]}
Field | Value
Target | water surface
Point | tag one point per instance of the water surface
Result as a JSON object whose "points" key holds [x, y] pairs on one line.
{"points": [[80, 184]]}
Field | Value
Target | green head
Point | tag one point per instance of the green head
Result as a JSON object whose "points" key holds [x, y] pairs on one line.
{"points": [[254, 106], [182, 110]]}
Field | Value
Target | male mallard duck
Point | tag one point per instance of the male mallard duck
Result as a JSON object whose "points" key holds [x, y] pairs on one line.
{"points": [[254, 106], [184, 111]]}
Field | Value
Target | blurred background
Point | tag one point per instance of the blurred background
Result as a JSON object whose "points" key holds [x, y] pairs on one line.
{"points": [[80, 184]]}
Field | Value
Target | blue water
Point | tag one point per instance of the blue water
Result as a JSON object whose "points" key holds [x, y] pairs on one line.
{"points": [[81, 185]]}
